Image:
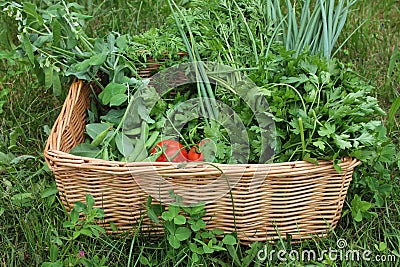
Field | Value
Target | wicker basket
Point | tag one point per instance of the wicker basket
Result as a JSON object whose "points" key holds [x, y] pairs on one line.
{"points": [[296, 198]]}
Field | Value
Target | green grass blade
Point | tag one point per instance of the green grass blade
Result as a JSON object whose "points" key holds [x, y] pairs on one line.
{"points": [[393, 110], [348, 38]]}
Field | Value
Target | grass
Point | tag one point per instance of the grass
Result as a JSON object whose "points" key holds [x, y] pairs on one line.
{"points": [[31, 217]]}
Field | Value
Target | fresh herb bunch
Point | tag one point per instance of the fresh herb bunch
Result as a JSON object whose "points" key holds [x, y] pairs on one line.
{"points": [[323, 110]]}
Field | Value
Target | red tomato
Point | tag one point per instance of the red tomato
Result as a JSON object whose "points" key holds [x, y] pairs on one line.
{"points": [[173, 150], [194, 156]]}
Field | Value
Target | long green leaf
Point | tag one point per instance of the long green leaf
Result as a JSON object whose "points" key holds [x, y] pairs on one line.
{"points": [[331, 8], [28, 48], [290, 40], [326, 47], [305, 16], [340, 26], [337, 16]]}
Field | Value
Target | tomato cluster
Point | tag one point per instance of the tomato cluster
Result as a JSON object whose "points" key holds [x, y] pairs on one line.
{"points": [[175, 152]]}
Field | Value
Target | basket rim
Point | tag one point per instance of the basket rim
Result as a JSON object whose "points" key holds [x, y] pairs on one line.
{"points": [[349, 162]]}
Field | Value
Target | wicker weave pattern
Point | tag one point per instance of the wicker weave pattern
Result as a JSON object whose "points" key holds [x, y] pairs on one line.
{"points": [[296, 198]]}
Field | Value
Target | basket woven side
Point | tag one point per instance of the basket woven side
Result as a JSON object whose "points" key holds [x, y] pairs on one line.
{"points": [[68, 131]]}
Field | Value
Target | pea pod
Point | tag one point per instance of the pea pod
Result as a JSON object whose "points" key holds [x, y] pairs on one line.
{"points": [[132, 132], [152, 139], [138, 154], [100, 137]]}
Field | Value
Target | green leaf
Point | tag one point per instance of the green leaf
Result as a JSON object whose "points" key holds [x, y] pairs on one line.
{"points": [[94, 129], [381, 247], [393, 110], [85, 150], [124, 144], [308, 158], [218, 231], [74, 215], [342, 144], [144, 261], [319, 144], [182, 233], [21, 158], [30, 9], [1, 211], [89, 201], [53, 252], [5, 159], [79, 206], [68, 224], [179, 220], [366, 138], [327, 130], [122, 42], [118, 99], [167, 216], [195, 257], [152, 215], [174, 210], [198, 225], [22, 199], [174, 242], [28, 48], [229, 240], [110, 90], [359, 209], [97, 59], [76, 234], [51, 191], [86, 232], [96, 228], [114, 116], [388, 153], [82, 66], [385, 189], [208, 249]]}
